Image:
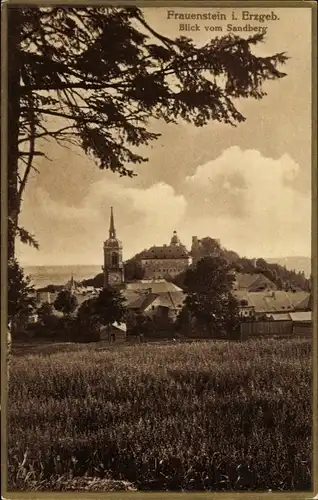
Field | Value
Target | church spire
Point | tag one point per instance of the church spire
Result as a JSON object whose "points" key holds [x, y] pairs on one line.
{"points": [[112, 231]]}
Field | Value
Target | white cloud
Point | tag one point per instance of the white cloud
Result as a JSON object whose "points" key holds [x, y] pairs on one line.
{"points": [[243, 198], [51, 209], [247, 200]]}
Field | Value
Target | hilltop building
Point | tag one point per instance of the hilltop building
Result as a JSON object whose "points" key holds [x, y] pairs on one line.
{"points": [[196, 249], [113, 257], [158, 262], [168, 260]]}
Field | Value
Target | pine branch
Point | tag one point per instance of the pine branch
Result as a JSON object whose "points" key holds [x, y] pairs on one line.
{"points": [[169, 43], [50, 133], [26, 237]]}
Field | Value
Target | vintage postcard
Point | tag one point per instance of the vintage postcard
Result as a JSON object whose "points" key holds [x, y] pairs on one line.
{"points": [[159, 276]]}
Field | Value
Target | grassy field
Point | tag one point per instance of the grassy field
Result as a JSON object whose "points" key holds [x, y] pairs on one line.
{"points": [[208, 415]]}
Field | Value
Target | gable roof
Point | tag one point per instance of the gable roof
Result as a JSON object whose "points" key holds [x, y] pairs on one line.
{"points": [[152, 286], [295, 316], [171, 300], [245, 280], [142, 302], [301, 300], [279, 316], [166, 252], [265, 302], [130, 296]]}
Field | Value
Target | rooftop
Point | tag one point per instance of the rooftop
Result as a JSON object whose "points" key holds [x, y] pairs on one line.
{"points": [[171, 300], [175, 250], [266, 302], [296, 317], [152, 286], [245, 280], [166, 252]]}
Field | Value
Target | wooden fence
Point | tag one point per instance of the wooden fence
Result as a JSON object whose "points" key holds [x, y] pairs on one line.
{"points": [[302, 328], [251, 328]]}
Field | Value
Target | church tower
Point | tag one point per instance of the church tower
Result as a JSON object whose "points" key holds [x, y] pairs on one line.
{"points": [[113, 257]]}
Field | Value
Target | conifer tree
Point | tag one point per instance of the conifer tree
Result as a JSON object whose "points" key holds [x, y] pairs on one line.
{"points": [[65, 302], [21, 300], [95, 76]]}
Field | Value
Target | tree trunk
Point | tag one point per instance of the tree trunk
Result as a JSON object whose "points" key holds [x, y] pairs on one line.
{"points": [[14, 63], [9, 341]]}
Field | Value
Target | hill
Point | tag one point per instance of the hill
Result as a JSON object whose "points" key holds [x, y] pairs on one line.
{"points": [[285, 278], [299, 263]]}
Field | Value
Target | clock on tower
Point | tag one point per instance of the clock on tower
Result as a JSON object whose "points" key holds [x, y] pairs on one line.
{"points": [[113, 257], [114, 278]]}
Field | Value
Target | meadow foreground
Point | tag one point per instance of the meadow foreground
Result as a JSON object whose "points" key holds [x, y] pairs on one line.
{"points": [[207, 415]]}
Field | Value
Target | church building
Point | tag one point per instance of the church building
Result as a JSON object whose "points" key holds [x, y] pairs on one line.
{"points": [[160, 262], [113, 257]]}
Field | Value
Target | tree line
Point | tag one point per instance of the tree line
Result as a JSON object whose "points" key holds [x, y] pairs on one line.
{"points": [[209, 308]]}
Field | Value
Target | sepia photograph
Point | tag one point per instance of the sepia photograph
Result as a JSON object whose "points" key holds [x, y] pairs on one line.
{"points": [[158, 301]]}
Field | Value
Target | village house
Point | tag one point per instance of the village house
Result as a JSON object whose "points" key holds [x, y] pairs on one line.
{"points": [[302, 322], [258, 304], [156, 301], [275, 312], [253, 282], [117, 332], [160, 305], [246, 309]]}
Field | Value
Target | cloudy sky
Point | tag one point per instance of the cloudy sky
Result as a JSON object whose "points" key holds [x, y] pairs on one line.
{"points": [[248, 186]]}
